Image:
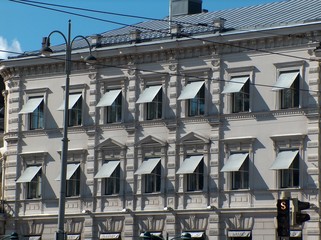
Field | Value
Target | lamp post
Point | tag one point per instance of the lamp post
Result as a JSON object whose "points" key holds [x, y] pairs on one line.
{"points": [[60, 234]]}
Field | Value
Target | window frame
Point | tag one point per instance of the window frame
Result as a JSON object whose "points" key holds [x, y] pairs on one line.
{"points": [[114, 111], [196, 105], [152, 181], [154, 109], [243, 98], [73, 184], [111, 185], [195, 180], [240, 180], [75, 117], [290, 97], [292, 174], [34, 187]]}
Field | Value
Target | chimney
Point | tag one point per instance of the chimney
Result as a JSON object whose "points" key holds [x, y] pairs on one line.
{"points": [[219, 23], [185, 7], [135, 36], [96, 40], [44, 42], [176, 30]]}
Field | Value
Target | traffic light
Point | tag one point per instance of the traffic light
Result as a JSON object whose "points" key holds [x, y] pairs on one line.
{"points": [[297, 216], [283, 217]]}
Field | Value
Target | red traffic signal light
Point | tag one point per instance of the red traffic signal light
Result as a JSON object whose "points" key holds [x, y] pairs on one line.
{"points": [[283, 217]]}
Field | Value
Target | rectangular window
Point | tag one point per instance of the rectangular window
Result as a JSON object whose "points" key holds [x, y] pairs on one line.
{"points": [[35, 110], [241, 99], [114, 111], [75, 113], [290, 177], [34, 186], [290, 96], [73, 184], [112, 183], [196, 105], [240, 178], [195, 180], [153, 180], [154, 109]]}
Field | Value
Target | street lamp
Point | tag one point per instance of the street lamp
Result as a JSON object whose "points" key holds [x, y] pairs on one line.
{"points": [[46, 50]]}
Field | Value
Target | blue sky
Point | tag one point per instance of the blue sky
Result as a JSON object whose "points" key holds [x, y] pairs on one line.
{"points": [[22, 26]]}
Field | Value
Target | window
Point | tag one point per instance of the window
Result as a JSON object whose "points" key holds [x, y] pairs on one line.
{"points": [[239, 88], [290, 177], [35, 110], [75, 113], [287, 163], [195, 180], [114, 111], [288, 84], [240, 100], [112, 100], [74, 108], [194, 92], [153, 180], [193, 168], [154, 109], [112, 184], [238, 167], [152, 97], [150, 169], [240, 179], [196, 104], [32, 177], [73, 182], [34, 186]]}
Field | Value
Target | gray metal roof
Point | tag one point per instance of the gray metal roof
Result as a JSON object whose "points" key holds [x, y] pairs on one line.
{"points": [[246, 18]]}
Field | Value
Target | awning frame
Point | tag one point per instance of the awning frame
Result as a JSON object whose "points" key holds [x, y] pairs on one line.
{"points": [[191, 90], [149, 94], [235, 162], [31, 105], [107, 169], [147, 166], [189, 164], [29, 174], [109, 98]]}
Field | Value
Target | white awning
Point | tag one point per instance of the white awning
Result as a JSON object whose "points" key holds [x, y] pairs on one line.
{"points": [[31, 105], [285, 80], [71, 169], [295, 233], [148, 94], [197, 234], [284, 160], [109, 98], [234, 162], [189, 165], [109, 235], [147, 166], [28, 174], [239, 233], [73, 98], [107, 169], [34, 238], [190, 90], [73, 237], [235, 85]]}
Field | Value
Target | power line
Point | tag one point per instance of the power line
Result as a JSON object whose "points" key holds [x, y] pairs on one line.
{"points": [[163, 31], [168, 74]]}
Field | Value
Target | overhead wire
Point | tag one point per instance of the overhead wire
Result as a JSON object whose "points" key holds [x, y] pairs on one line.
{"points": [[27, 2]]}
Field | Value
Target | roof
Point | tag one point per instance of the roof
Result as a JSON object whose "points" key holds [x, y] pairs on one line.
{"points": [[261, 16]]}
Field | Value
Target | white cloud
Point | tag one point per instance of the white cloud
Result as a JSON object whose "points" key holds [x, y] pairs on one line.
{"points": [[9, 49]]}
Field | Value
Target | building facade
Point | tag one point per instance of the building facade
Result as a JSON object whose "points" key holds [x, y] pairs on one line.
{"points": [[196, 129]]}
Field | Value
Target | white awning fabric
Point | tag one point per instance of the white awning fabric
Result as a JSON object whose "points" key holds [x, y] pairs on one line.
{"points": [[235, 85], [190, 90], [31, 105], [107, 169], [73, 237], [285, 80], [73, 98], [28, 174], [284, 160], [148, 94], [71, 169], [239, 233], [147, 166], [234, 162], [109, 235], [109, 98], [189, 165]]}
